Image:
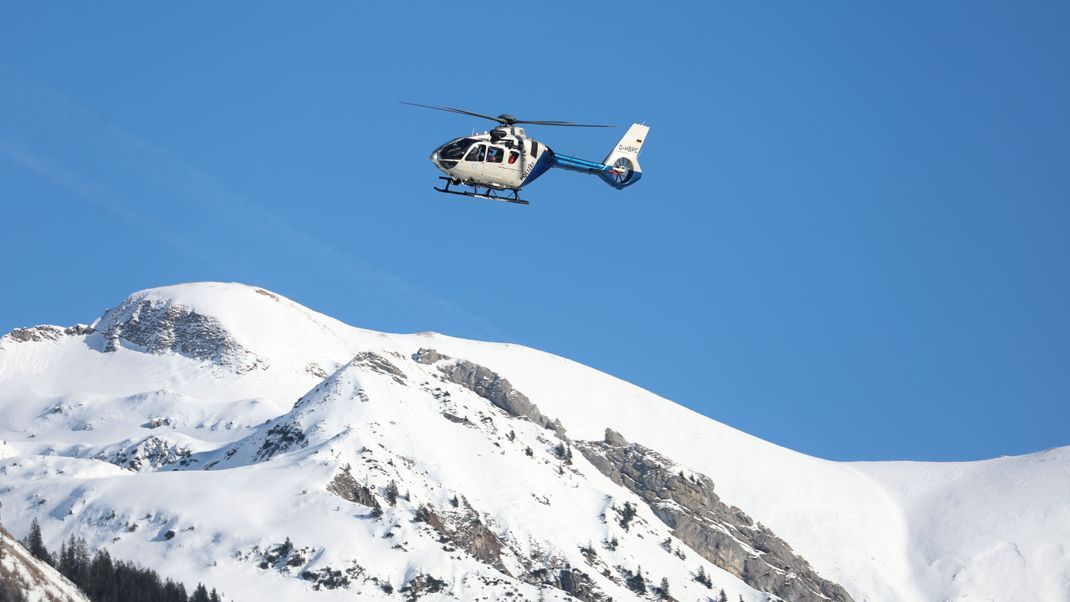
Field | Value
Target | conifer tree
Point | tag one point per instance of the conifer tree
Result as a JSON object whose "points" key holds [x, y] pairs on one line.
{"points": [[35, 543], [703, 578], [81, 562], [637, 583]]}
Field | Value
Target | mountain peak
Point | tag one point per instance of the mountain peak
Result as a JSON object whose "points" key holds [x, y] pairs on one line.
{"points": [[239, 327], [217, 299]]}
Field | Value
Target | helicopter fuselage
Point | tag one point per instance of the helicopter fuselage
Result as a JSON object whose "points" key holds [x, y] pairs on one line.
{"points": [[503, 158]]}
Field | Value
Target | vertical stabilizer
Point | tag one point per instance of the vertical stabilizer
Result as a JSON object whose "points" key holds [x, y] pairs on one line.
{"points": [[624, 158]]}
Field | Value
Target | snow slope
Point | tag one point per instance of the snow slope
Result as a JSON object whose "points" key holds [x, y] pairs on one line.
{"points": [[197, 427], [38, 581]]}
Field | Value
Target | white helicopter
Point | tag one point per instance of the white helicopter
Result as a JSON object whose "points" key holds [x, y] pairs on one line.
{"points": [[505, 159]]}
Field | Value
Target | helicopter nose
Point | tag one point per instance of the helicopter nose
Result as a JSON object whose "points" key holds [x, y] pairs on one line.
{"points": [[438, 164]]}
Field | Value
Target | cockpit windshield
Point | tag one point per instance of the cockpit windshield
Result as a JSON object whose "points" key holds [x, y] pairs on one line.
{"points": [[455, 150]]}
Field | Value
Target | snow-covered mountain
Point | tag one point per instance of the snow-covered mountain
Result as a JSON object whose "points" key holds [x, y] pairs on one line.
{"points": [[223, 434]]}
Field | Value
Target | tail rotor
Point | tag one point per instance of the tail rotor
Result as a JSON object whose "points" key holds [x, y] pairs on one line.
{"points": [[624, 158], [622, 172]]}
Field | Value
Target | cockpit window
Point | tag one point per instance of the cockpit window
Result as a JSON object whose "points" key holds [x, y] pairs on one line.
{"points": [[495, 154], [455, 150], [477, 153]]}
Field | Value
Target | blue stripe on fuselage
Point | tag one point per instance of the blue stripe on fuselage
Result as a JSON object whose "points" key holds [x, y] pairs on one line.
{"points": [[542, 165], [598, 169], [550, 159], [581, 165]]}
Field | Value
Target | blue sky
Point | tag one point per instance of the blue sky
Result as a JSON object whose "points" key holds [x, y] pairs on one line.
{"points": [[850, 238]]}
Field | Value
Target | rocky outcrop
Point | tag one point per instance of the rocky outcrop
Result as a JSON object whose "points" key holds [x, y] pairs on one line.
{"points": [[422, 585], [288, 559], [573, 581], [555, 571], [44, 332], [722, 534], [379, 364], [490, 386], [464, 529], [579, 585], [280, 438], [155, 423], [160, 327], [428, 356], [150, 453], [346, 487]]}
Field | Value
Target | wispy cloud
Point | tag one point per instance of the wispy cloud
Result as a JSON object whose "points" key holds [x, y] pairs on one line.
{"points": [[92, 193], [117, 171]]}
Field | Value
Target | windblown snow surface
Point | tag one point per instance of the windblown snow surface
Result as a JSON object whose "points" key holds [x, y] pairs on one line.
{"points": [[223, 434]]}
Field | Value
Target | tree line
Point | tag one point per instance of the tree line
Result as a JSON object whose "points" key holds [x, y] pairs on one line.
{"points": [[104, 579]]}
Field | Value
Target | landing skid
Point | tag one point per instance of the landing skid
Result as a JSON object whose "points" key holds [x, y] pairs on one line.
{"points": [[492, 194]]}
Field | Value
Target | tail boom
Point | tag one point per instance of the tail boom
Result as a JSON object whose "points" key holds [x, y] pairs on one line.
{"points": [[620, 168]]}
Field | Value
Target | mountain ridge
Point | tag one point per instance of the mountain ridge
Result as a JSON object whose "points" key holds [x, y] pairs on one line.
{"points": [[819, 507]]}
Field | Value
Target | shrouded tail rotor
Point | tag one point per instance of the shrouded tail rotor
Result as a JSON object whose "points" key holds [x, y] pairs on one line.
{"points": [[623, 160], [622, 173]]}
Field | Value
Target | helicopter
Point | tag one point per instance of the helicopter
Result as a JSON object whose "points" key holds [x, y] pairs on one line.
{"points": [[503, 160]]}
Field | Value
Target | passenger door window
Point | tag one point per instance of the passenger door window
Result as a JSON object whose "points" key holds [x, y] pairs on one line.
{"points": [[477, 153], [495, 154]]}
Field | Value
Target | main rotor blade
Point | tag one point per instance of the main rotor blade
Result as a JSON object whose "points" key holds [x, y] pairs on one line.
{"points": [[453, 110], [564, 124], [510, 119]]}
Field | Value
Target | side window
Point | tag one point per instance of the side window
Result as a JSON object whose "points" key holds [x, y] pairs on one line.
{"points": [[495, 154], [513, 156], [477, 153], [534, 148]]}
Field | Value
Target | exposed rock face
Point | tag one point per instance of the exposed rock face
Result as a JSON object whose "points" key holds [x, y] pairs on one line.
{"points": [[280, 438], [288, 559], [555, 572], [44, 332], [346, 487], [428, 356], [492, 387], [378, 363], [466, 530], [722, 534], [151, 452], [422, 585], [155, 423], [159, 327], [579, 585]]}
